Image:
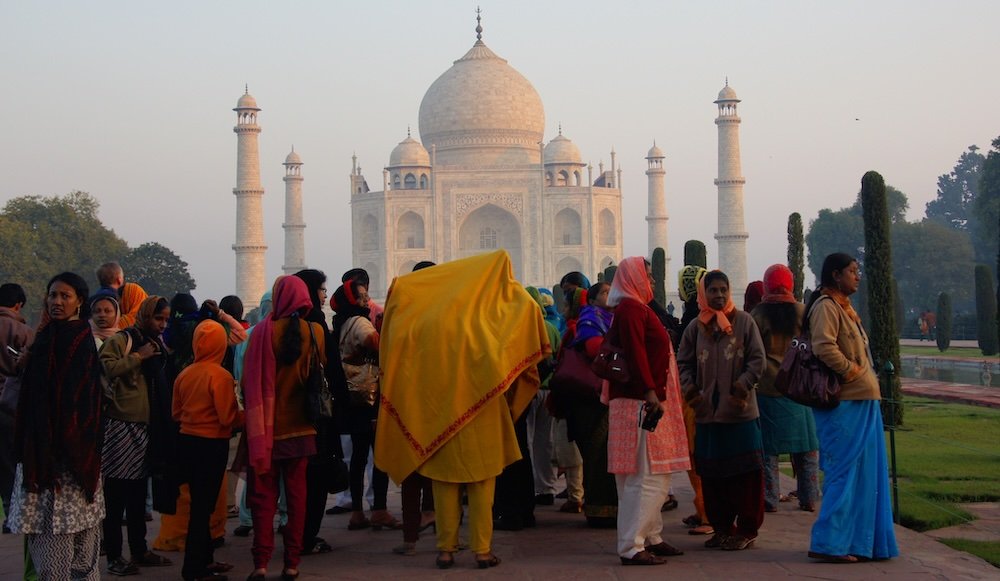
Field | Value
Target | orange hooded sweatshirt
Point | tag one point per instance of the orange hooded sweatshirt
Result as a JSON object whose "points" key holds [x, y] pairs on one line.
{"points": [[204, 396]]}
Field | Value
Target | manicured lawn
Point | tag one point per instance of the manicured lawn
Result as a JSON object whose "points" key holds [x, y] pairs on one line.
{"points": [[931, 351], [988, 551], [947, 454]]}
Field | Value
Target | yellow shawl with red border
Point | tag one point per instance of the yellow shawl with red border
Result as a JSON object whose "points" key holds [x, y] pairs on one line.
{"points": [[459, 346]]}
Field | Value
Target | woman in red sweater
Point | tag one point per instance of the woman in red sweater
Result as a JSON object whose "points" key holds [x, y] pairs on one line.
{"points": [[642, 459], [205, 407]]}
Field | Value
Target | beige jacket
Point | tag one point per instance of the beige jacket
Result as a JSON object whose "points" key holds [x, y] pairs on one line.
{"points": [[842, 345]]}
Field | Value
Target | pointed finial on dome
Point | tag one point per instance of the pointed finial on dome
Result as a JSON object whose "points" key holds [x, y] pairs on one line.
{"points": [[407, 131], [293, 148], [246, 89], [560, 128], [727, 80], [479, 25]]}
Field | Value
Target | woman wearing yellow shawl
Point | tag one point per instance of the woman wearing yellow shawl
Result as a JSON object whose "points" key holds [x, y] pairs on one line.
{"points": [[459, 347]]}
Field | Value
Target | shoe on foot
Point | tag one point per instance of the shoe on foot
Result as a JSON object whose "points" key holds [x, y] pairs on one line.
{"points": [[571, 506], [151, 559], [545, 499], [643, 558], [737, 543], [716, 541], [670, 504], [664, 549], [490, 560], [358, 521], [122, 568], [381, 519], [242, 531], [702, 530], [563, 495], [338, 510]]}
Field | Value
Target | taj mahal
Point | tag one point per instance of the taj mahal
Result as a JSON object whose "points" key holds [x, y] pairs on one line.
{"points": [[481, 177]]}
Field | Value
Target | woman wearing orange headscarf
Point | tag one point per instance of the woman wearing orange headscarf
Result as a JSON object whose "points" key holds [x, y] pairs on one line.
{"points": [[132, 297], [642, 459], [721, 357]]}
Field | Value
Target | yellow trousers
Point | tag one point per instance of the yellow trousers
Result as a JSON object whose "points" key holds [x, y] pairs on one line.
{"points": [[448, 513]]}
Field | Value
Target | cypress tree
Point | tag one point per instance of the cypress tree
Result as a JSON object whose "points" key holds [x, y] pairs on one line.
{"points": [[796, 253], [660, 275], [609, 274], [695, 253], [881, 300], [943, 322], [986, 311]]}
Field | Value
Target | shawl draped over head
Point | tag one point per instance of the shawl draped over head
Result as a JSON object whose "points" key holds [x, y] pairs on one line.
{"points": [[631, 282], [132, 297], [346, 306], [778, 283], [552, 315], [314, 280], [455, 339], [753, 295], [688, 281], [112, 298], [59, 409], [594, 321], [291, 297], [707, 313], [147, 310]]}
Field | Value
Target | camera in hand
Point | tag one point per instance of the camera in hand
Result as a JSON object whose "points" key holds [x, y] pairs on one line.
{"points": [[651, 418]]}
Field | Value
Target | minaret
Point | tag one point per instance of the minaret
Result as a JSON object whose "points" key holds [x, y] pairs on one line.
{"points": [[657, 216], [295, 242], [732, 235], [249, 245]]}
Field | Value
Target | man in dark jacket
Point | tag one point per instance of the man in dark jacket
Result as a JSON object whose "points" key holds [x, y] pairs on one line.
{"points": [[15, 337]]}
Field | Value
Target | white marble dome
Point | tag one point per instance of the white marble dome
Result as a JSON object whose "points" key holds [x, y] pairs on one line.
{"points": [[482, 111], [727, 94], [293, 159], [409, 152], [562, 150], [654, 152]]}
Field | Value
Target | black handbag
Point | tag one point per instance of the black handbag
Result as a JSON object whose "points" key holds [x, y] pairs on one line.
{"points": [[804, 379], [319, 401], [610, 362]]}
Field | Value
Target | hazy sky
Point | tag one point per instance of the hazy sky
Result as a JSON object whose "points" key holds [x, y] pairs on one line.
{"points": [[131, 101]]}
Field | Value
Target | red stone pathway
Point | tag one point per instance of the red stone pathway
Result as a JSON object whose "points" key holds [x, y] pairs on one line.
{"points": [[955, 392]]}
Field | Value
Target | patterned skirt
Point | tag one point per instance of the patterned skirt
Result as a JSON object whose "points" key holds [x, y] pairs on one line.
{"points": [[123, 455]]}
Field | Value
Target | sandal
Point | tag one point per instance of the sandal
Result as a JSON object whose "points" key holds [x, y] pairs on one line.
{"points": [[406, 549], [737, 543], [491, 561], [358, 522], [381, 519], [286, 576], [702, 530], [664, 549], [443, 563], [692, 521], [643, 558], [151, 559], [122, 568], [833, 558], [670, 504]]}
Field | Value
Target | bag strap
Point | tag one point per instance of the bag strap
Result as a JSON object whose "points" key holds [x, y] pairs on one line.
{"points": [[805, 318], [344, 332]]}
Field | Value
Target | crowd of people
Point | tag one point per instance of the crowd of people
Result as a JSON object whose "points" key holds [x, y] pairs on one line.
{"points": [[116, 405]]}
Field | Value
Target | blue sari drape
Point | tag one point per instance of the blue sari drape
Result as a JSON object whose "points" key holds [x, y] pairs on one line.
{"points": [[856, 515]]}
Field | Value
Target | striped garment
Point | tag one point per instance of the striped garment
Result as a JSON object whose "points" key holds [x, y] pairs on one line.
{"points": [[124, 452]]}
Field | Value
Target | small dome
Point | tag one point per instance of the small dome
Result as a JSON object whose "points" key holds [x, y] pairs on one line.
{"points": [[654, 152], [409, 152], [562, 150], [247, 102], [293, 158], [727, 94]]}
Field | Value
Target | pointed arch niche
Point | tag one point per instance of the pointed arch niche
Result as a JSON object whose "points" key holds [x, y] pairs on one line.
{"points": [[488, 228], [606, 230], [410, 231], [568, 228]]}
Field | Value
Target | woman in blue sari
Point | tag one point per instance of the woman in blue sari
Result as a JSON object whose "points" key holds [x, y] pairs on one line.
{"points": [[855, 519]]}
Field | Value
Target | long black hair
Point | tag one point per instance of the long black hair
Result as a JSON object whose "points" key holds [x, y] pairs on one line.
{"points": [[783, 317], [832, 263], [314, 279]]}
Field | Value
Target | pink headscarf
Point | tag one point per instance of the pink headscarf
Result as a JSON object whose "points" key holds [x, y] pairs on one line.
{"points": [[631, 282], [260, 369]]}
